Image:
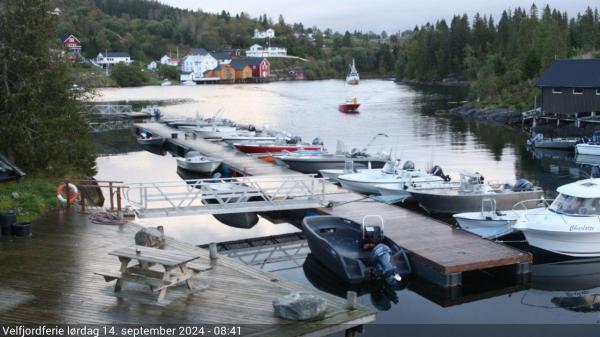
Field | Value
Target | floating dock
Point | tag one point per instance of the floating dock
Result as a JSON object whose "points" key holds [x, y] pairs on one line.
{"points": [[438, 252], [49, 278]]}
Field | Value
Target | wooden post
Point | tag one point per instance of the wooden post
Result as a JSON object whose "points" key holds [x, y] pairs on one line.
{"points": [[67, 193], [119, 198], [212, 251], [82, 196], [351, 300], [110, 193]]}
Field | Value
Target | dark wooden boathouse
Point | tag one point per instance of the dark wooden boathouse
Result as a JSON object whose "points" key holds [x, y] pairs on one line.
{"points": [[571, 88]]}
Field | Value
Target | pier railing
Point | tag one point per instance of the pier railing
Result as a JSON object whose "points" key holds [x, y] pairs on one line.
{"points": [[226, 195]]}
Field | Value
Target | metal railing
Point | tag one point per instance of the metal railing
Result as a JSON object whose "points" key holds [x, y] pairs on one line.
{"points": [[226, 195]]}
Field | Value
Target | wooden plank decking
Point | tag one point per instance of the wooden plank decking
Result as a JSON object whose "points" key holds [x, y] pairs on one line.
{"points": [[436, 249], [49, 278]]}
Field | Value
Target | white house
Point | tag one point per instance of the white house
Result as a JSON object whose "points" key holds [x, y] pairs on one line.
{"points": [[169, 60], [257, 50], [267, 34], [152, 66], [195, 64], [111, 58]]}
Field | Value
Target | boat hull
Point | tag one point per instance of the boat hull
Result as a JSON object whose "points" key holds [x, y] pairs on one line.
{"points": [[588, 149], [207, 167], [488, 227], [435, 203], [151, 141], [312, 167], [261, 148], [348, 108], [558, 144]]}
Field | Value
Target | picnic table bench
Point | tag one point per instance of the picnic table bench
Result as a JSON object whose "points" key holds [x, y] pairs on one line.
{"points": [[174, 268]]}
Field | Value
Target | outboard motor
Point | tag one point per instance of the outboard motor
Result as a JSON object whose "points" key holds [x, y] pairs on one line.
{"points": [[408, 166], [438, 172], [380, 257], [251, 127], [355, 153], [317, 141], [537, 138], [523, 185]]}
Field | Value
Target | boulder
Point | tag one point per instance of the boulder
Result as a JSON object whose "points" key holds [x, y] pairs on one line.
{"points": [[299, 306], [151, 237]]}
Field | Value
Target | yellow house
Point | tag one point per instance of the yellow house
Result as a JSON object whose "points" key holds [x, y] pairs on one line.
{"points": [[224, 71], [243, 71]]}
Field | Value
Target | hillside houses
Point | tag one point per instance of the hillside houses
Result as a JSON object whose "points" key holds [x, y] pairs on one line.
{"points": [[267, 34], [196, 63], [169, 61], [71, 43], [108, 59]]}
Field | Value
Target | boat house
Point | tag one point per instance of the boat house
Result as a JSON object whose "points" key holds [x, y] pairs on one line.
{"points": [[571, 88]]}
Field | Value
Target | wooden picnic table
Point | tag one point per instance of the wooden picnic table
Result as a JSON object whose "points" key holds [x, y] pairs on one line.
{"points": [[174, 268]]}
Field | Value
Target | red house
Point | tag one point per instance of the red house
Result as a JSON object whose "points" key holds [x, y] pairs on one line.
{"points": [[261, 68], [71, 43]]}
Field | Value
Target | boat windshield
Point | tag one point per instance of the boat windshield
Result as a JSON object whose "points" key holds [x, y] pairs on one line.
{"points": [[566, 204]]}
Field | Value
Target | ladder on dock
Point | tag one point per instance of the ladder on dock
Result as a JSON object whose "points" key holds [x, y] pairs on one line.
{"points": [[226, 195]]}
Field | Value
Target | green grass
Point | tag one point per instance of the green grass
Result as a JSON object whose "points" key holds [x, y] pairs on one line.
{"points": [[36, 196]]}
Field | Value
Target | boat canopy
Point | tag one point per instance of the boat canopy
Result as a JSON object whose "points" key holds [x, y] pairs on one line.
{"points": [[570, 205], [588, 188]]}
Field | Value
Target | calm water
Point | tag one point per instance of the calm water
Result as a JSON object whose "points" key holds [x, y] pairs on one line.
{"points": [[560, 291]]}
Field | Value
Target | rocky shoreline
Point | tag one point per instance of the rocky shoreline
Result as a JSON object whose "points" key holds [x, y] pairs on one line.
{"points": [[496, 115]]}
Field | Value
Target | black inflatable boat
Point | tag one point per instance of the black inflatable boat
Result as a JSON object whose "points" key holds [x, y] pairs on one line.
{"points": [[356, 253]]}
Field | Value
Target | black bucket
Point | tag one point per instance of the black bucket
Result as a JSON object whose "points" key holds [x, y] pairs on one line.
{"points": [[7, 219], [21, 229]]}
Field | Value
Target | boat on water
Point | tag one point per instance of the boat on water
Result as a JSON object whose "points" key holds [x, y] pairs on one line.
{"points": [[188, 82], [146, 138], [399, 189], [366, 182], [313, 163], [279, 145], [166, 83], [355, 252], [591, 147], [488, 223], [349, 106], [539, 141], [231, 192], [352, 77], [466, 196], [215, 132], [570, 225], [196, 162]]}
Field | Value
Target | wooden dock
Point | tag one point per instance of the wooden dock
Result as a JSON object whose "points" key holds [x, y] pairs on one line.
{"points": [[438, 252], [49, 278]]}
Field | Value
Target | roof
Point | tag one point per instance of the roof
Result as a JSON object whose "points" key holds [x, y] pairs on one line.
{"points": [[64, 37], [8, 170], [115, 54], [239, 64], [221, 55], [574, 73], [587, 188], [199, 51], [248, 61]]}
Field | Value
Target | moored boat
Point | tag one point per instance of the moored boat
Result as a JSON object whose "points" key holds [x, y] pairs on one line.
{"points": [[488, 223], [350, 106], [590, 148], [570, 225], [354, 252], [352, 77], [146, 138], [279, 145], [196, 162], [467, 196], [539, 141]]}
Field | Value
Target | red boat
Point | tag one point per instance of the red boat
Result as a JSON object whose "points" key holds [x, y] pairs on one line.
{"points": [[275, 148], [350, 106]]}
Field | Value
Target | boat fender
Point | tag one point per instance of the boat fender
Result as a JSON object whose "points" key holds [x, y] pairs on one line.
{"points": [[61, 195], [382, 260]]}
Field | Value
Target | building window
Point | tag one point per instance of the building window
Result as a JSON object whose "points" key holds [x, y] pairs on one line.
{"points": [[556, 90], [577, 91]]}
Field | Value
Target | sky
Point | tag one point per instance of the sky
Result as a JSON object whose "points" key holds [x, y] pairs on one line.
{"points": [[372, 15]]}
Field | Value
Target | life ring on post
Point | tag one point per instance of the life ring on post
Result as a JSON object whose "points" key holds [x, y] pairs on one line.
{"points": [[61, 194]]}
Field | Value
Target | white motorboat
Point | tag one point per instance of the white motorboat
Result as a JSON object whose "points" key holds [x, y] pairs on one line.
{"points": [[539, 141], [488, 223], [166, 83], [452, 198], [366, 182], [590, 148], [196, 162], [247, 138], [231, 192], [146, 138], [570, 225], [215, 132]]}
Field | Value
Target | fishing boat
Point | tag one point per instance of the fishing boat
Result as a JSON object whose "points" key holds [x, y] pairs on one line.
{"points": [[196, 162], [570, 225], [399, 190], [355, 252], [467, 195], [488, 223], [591, 147], [553, 143], [350, 106], [146, 138], [391, 173], [278, 146], [352, 77]]}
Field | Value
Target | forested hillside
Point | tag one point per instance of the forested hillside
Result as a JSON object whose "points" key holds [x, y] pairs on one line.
{"points": [[501, 60]]}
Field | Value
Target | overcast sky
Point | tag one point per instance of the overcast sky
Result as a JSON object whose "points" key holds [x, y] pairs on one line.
{"points": [[374, 15]]}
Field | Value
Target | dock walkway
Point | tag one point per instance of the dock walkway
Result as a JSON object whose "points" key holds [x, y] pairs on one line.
{"points": [[438, 252], [49, 278]]}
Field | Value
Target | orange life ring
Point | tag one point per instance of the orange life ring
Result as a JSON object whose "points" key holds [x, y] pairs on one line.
{"points": [[73, 193]]}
